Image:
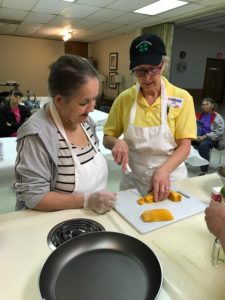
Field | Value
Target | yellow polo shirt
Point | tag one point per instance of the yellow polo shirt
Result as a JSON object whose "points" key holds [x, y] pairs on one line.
{"points": [[180, 118]]}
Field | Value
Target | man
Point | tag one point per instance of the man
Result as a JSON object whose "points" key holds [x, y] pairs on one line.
{"points": [[156, 118]]}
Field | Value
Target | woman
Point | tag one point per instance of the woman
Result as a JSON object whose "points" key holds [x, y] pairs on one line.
{"points": [[59, 165], [210, 130], [13, 114], [156, 118]]}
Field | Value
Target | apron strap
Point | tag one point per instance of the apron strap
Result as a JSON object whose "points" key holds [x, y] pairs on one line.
{"points": [[60, 127], [164, 101]]}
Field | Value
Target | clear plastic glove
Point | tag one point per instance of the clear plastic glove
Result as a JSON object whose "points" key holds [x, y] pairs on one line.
{"points": [[100, 202]]}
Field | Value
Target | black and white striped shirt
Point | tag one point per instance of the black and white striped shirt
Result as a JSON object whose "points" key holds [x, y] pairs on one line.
{"points": [[66, 171]]}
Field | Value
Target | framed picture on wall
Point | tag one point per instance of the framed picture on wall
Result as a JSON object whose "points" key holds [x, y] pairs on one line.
{"points": [[113, 61], [112, 80]]}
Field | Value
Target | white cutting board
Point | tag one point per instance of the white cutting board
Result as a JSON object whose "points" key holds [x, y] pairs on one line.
{"points": [[130, 210]]}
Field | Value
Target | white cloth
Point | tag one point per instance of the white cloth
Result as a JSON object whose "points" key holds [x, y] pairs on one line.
{"points": [[150, 147], [194, 158], [89, 177]]}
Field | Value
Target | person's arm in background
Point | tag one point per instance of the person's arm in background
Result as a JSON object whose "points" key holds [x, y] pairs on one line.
{"points": [[215, 220], [217, 128]]}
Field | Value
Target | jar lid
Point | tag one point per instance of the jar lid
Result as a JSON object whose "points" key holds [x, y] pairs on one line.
{"points": [[216, 190]]}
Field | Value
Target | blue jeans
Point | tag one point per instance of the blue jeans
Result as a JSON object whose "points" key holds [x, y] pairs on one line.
{"points": [[204, 150]]}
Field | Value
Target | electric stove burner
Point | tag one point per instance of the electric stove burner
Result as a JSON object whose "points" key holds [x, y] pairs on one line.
{"points": [[70, 229]]}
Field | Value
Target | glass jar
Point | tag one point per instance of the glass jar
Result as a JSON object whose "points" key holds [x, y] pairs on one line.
{"points": [[215, 195], [218, 254]]}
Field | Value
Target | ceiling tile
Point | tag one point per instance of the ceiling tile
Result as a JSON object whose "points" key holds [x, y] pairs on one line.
{"points": [[48, 29], [12, 14], [129, 5], [125, 29], [99, 3], [61, 21], [18, 4], [105, 14], [149, 21], [79, 11], [51, 6], [106, 26], [210, 2], [183, 10], [86, 23], [108, 17], [7, 28], [39, 17], [130, 18], [28, 28]]}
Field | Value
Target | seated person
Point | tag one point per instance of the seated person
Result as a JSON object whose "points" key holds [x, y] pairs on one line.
{"points": [[210, 130], [13, 114]]}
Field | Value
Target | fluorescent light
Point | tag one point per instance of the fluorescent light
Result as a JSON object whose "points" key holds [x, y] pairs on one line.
{"points": [[69, 0], [160, 6]]}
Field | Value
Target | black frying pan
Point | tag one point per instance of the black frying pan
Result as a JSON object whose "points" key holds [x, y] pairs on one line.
{"points": [[101, 266]]}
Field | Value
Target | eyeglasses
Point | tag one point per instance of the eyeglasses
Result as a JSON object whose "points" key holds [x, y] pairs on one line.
{"points": [[141, 72]]}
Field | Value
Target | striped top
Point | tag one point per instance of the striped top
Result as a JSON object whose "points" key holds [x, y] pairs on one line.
{"points": [[66, 169]]}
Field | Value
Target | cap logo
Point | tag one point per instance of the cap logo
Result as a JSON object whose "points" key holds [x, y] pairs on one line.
{"points": [[143, 46]]}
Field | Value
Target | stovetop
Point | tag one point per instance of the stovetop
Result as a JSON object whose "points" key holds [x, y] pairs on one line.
{"points": [[70, 229], [28, 235]]}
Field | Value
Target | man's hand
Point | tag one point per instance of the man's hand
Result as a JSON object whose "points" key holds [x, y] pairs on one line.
{"points": [[120, 153], [160, 184]]}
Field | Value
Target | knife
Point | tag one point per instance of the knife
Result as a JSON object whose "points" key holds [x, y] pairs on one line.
{"points": [[135, 182]]}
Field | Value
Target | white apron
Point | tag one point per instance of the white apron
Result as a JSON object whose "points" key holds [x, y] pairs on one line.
{"points": [[89, 177], [150, 147]]}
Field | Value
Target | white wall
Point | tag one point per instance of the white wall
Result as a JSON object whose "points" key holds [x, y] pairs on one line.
{"points": [[198, 47]]}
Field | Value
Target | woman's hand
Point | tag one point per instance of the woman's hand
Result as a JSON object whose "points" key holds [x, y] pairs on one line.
{"points": [[100, 202], [120, 153], [160, 184], [215, 219], [201, 138]]}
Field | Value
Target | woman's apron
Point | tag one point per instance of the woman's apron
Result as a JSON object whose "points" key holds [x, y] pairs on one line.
{"points": [[150, 147], [91, 176]]}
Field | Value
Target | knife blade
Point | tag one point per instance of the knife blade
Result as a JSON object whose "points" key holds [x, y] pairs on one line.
{"points": [[134, 181]]}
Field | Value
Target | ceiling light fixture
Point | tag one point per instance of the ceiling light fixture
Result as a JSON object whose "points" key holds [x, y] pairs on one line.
{"points": [[67, 34], [69, 0], [159, 7]]}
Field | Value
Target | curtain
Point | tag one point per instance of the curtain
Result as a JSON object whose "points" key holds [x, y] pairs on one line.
{"points": [[165, 31]]}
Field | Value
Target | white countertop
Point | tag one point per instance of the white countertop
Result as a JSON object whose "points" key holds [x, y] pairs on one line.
{"points": [[184, 248]]}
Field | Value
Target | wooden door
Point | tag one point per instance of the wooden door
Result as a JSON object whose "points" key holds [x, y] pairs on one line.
{"points": [[77, 48], [214, 81]]}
